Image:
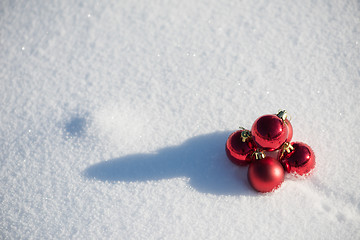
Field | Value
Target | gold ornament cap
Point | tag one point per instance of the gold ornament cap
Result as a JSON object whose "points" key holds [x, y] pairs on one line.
{"points": [[286, 147], [258, 154], [282, 114], [245, 134]]}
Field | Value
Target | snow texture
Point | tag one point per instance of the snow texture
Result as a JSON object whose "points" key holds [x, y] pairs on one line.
{"points": [[114, 117]]}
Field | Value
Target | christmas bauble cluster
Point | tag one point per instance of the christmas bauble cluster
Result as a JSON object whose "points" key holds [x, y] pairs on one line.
{"points": [[269, 152]]}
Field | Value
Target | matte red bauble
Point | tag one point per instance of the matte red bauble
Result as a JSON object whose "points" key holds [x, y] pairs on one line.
{"points": [[239, 147], [265, 175], [269, 132], [300, 160]]}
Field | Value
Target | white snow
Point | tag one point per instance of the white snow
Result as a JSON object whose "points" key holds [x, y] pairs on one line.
{"points": [[114, 117]]}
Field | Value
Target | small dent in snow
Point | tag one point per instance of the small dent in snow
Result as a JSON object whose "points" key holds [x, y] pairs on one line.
{"points": [[76, 126]]}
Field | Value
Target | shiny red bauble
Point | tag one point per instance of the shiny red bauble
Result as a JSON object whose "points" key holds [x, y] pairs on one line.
{"points": [[269, 132], [265, 175], [290, 130], [300, 160], [237, 150]]}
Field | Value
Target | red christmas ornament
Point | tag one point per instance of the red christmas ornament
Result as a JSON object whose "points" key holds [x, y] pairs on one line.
{"points": [[270, 131], [239, 147], [298, 158], [270, 134], [266, 174], [290, 130]]}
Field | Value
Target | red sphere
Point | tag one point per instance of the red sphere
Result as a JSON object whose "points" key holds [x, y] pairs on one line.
{"points": [[266, 175], [269, 132], [239, 152], [290, 130], [301, 160]]}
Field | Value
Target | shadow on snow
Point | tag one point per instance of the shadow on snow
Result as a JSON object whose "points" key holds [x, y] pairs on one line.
{"points": [[202, 159]]}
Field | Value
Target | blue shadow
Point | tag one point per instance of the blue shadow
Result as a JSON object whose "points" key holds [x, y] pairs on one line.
{"points": [[75, 127], [202, 159]]}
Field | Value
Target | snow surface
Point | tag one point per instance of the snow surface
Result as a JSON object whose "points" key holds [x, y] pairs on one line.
{"points": [[114, 117]]}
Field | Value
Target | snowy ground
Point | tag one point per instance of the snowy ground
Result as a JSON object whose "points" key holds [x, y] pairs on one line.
{"points": [[114, 117]]}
